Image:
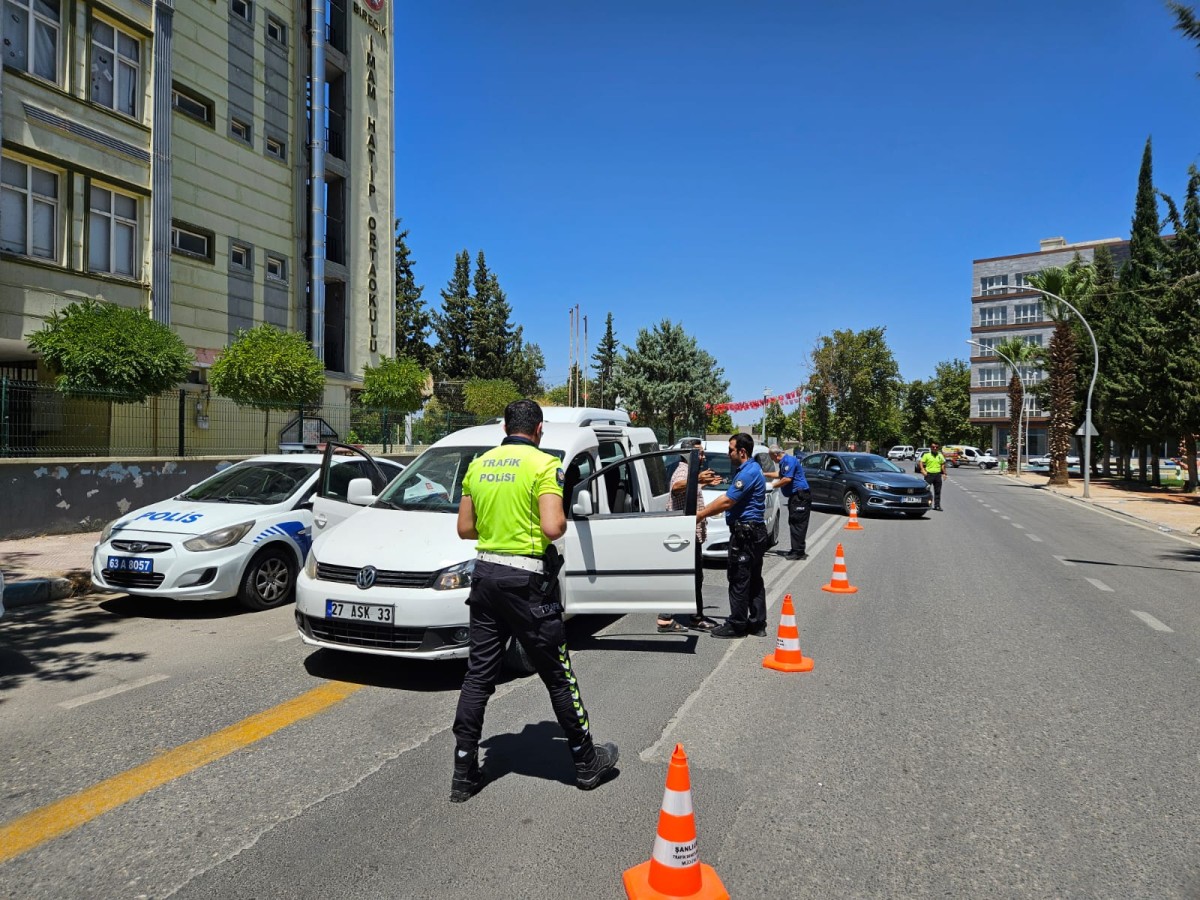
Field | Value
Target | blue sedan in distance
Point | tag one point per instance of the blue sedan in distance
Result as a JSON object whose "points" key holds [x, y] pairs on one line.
{"points": [[867, 480]]}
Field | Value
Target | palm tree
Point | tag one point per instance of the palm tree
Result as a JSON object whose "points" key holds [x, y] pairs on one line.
{"points": [[1072, 283], [1020, 352]]}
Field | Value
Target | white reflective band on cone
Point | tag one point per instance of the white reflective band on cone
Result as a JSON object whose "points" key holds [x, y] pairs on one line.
{"points": [[677, 803], [677, 856], [787, 620], [787, 644]]}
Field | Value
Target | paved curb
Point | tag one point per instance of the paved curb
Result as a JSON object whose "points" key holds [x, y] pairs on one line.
{"points": [[36, 590]]}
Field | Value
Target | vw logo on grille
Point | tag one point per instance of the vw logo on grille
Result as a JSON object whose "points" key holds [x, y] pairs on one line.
{"points": [[365, 577]]}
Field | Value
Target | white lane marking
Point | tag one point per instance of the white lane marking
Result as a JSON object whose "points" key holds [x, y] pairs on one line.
{"points": [[1064, 561], [1007, 518], [1152, 622], [1017, 525], [112, 691], [1034, 537], [287, 637], [1099, 585]]}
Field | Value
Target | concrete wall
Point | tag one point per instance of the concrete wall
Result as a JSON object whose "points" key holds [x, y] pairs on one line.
{"points": [[66, 496]]}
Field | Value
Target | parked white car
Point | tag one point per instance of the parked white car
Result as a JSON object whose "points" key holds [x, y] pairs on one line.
{"points": [[392, 578], [716, 543], [1044, 460], [901, 451], [244, 531]]}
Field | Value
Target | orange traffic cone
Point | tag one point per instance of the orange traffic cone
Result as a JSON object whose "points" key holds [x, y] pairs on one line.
{"points": [[840, 583], [853, 525], [674, 868], [787, 656]]}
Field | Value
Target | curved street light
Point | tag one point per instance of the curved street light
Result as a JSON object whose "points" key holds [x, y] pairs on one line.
{"points": [[1087, 417], [1024, 393]]}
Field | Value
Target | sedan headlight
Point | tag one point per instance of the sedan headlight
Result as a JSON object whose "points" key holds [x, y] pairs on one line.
{"points": [[874, 486], [310, 565], [453, 577], [219, 539]]}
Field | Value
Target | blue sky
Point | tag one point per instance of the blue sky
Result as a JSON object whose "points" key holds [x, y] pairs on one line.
{"points": [[767, 172]]}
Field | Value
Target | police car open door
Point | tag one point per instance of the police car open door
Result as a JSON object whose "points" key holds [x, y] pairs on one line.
{"points": [[621, 556]]}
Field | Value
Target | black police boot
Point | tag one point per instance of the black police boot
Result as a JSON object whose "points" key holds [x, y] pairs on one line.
{"points": [[592, 763], [468, 776]]}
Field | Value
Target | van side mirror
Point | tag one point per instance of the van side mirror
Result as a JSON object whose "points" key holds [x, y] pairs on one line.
{"points": [[582, 506], [359, 492]]}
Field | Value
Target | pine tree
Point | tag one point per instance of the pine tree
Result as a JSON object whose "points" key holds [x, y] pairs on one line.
{"points": [[453, 324], [600, 392], [412, 317]]}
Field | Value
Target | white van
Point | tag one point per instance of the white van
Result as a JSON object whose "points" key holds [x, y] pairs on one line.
{"points": [[392, 578], [963, 455]]}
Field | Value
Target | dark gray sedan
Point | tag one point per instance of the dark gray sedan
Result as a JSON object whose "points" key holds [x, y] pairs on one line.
{"points": [[867, 480]]}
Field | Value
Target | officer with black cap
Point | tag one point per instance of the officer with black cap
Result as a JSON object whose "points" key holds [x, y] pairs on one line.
{"points": [[512, 505]]}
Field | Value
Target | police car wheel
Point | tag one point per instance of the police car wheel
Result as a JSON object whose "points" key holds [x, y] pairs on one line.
{"points": [[516, 660], [851, 496], [269, 580], [775, 528]]}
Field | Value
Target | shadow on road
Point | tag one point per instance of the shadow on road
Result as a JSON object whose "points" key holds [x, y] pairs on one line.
{"points": [[129, 607], [387, 672], [40, 643], [538, 751], [1181, 555]]}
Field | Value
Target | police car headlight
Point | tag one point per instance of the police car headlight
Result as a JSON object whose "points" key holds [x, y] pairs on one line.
{"points": [[108, 530], [219, 539], [453, 577], [310, 566]]}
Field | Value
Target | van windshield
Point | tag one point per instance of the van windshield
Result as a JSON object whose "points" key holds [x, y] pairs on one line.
{"points": [[433, 481]]}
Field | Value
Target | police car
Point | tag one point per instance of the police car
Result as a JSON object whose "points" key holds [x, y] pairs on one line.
{"points": [[393, 578], [244, 531]]}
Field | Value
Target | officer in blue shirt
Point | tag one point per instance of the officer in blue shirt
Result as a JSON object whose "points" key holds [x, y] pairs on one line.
{"points": [[744, 505], [789, 478]]}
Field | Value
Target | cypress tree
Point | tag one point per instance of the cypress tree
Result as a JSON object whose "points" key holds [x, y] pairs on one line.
{"points": [[412, 317], [600, 392]]}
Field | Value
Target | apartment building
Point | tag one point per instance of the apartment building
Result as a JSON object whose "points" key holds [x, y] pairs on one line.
{"points": [[158, 154], [1003, 307]]}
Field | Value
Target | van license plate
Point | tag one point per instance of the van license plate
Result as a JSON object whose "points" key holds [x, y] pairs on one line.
{"points": [[130, 564], [361, 612]]}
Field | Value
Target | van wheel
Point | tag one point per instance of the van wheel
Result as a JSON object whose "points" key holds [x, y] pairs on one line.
{"points": [[516, 660], [269, 581]]}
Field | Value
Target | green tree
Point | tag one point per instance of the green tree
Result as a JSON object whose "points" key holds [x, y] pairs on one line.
{"points": [[776, 421], [453, 325], [395, 387], [1100, 308], [526, 367], [555, 396], [859, 379], [667, 380], [1023, 354], [412, 317], [268, 369], [494, 341], [719, 423], [1186, 22], [489, 396], [949, 418], [604, 363], [915, 401], [93, 346]]}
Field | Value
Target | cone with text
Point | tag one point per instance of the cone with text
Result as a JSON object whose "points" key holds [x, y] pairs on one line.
{"points": [[674, 868], [852, 524], [787, 656], [840, 583]]}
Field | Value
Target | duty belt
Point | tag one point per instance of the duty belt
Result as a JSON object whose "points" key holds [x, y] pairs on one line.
{"points": [[528, 563]]}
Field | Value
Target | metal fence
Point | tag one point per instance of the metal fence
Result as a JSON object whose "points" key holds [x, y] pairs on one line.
{"points": [[37, 421]]}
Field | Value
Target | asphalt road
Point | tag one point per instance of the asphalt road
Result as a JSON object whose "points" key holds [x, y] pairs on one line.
{"points": [[1004, 709]]}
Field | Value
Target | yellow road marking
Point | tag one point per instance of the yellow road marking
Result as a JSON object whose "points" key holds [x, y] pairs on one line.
{"points": [[55, 819]]}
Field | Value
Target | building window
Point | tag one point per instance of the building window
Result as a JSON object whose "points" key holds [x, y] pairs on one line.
{"points": [[28, 210], [276, 148], [188, 240], [1033, 405], [239, 257], [1027, 312], [1022, 279], [993, 377], [276, 268], [31, 36], [239, 130], [993, 315], [116, 68], [192, 104], [243, 9], [987, 345], [992, 409], [993, 284], [276, 31], [1033, 340], [1032, 374], [112, 232]]}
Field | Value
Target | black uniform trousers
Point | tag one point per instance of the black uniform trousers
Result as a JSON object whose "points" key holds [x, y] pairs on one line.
{"points": [[747, 593], [799, 508], [504, 602], [935, 481]]}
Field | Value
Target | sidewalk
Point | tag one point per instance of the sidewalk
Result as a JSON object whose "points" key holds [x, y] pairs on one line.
{"points": [[50, 567], [1168, 511]]}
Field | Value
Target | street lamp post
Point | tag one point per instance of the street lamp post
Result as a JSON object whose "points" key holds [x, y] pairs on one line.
{"points": [[766, 396], [1087, 416], [1024, 412]]}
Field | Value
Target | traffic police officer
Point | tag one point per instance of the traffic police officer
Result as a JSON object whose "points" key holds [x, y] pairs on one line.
{"points": [[789, 478], [744, 505], [512, 504], [933, 467]]}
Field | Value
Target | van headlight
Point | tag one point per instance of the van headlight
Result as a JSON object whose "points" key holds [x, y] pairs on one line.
{"points": [[219, 539], [454, 577], [310, 566]]}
